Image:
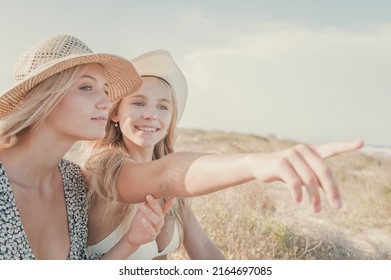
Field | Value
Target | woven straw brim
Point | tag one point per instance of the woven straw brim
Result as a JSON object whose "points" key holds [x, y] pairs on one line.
{"points": [[121, 75], [160, 63]]}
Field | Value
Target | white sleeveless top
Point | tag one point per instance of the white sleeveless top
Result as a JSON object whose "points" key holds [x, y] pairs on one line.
{"points": [[146, 251]]}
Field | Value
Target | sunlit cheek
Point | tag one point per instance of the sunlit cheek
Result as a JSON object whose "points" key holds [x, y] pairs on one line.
{"points": [[133, 113], [127, 127], [125, 122], [165, 120]]}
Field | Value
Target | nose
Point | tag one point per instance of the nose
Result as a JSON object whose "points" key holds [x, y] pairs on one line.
{"points": [[104, 102], [150, 113]]}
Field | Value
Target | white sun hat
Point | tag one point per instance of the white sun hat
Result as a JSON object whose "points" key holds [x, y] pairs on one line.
{"points": [[160, 63]]}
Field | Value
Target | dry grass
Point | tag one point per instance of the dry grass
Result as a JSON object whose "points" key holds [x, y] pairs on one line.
{"points": [[261, 221]]}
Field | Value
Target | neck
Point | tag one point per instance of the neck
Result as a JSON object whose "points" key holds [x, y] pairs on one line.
{"points": [[139, 154], [35, 155]]}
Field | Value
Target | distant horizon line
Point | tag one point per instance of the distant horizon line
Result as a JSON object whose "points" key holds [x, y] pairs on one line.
{"points": [[272, 135]]}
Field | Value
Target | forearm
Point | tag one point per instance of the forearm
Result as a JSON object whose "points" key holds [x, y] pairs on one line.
{"points": [[183, 174], [195, 240], [213, 172], [205, 251]]}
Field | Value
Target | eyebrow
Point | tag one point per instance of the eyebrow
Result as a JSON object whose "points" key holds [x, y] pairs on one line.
{"points": [[144, 97], [92, 78], [164, 99]]}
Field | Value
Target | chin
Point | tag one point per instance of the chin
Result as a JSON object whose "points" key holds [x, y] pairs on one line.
{"points": [[146, 144]]}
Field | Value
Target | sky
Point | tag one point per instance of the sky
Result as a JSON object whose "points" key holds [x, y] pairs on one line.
{"points": [[309, 71]]}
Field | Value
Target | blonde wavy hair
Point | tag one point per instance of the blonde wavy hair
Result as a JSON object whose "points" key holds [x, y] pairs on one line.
{"points": [[104, 158], [32, 111]]}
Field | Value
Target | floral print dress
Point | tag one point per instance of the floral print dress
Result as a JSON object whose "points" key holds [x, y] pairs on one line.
{"points": [[13, 240]]}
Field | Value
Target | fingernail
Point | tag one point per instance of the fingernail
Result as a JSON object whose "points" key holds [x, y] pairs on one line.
{"points": [[149, 198]]}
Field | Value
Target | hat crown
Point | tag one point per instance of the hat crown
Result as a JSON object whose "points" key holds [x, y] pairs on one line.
{"points": [[160, 63], [47, 51]]}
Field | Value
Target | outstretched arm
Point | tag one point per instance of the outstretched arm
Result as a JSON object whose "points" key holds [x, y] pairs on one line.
{"points": [[187, 174]]}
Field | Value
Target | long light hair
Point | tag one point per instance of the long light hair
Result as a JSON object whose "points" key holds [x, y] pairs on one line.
{"points": [[104, 158], [32, 111]]}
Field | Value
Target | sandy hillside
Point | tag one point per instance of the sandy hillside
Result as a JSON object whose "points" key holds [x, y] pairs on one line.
{"points": [[261, 221]]}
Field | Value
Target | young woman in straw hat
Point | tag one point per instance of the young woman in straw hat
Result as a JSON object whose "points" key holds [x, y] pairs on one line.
{"points": [[152, 114], [133, 139], [62, 95]]}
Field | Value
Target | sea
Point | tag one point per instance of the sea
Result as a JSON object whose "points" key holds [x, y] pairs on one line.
{"points": [[376, 151]]}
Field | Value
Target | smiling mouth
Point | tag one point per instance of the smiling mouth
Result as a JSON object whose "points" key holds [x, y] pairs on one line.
{"points": [[146, 129]]}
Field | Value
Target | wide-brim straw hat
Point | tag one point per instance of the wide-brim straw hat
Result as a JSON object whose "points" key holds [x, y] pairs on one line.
{"points": [[58, 53], [160, 63]]}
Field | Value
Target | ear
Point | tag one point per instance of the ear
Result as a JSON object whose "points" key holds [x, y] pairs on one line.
{"points": [[115, 118]]}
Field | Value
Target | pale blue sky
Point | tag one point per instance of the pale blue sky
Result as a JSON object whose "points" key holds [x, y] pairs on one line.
{"points": [[310, 71]]}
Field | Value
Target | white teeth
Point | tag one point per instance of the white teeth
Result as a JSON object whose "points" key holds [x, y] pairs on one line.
{"points": [[147, 129]]}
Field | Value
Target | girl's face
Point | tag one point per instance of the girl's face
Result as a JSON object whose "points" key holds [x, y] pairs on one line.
{"points": [[82, 113], [144, 117]]}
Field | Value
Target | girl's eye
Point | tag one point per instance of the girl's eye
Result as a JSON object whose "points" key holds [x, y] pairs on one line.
{"points": [[162, 107], [86, 88], [138, 103]]}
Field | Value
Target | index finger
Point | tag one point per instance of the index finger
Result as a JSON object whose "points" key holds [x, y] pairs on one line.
{"points": [[336, 148], [154, 204], [168, 205], [160, 207]]}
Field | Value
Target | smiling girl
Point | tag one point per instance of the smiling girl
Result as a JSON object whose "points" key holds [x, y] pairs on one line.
{"points": [[62, 95]]}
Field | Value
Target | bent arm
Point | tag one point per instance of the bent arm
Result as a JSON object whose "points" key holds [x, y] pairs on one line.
{"points": [[197, 243]]}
